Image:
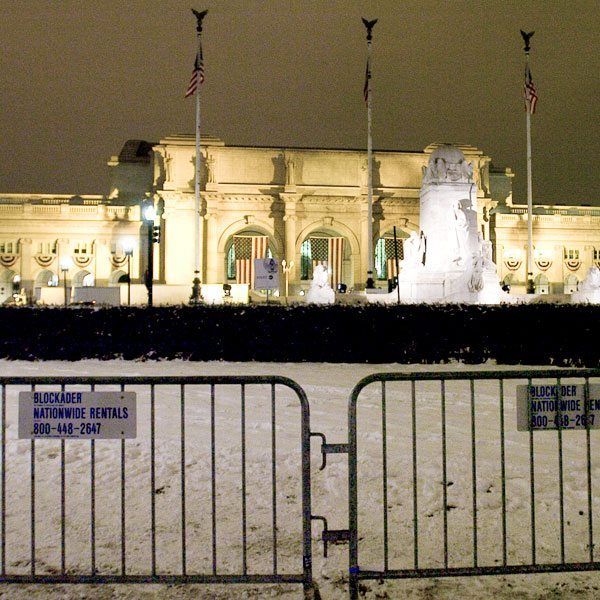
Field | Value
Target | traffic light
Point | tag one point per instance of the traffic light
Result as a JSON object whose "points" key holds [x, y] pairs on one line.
{"points": [[156, 234]]}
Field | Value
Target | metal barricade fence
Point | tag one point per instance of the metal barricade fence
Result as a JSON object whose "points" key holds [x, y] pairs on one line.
{"points": [[193, 499], [441, 483]]}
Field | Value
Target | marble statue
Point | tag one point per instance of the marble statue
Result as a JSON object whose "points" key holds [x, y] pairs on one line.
{"points": [[592, 280], [290, 178], [414, 249], [589, 289], [450, 261], [320, 292], [168, 159], [460, 233], [210, 168], [476, 281], [447, 164], [485, 249]]}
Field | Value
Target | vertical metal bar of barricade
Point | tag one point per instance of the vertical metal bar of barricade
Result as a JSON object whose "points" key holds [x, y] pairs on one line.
{"points": [[531, 474], [352, 498], [32, 505], [243, 441], [213, 486], [3, 484], [152, 483], [559, 425], [123, 539], [62, 503], [444, 473], [414, 470], [473, 472], [182, 440], [306, 492], [586, 405], [503, 473], [274, 478], [93, 500], [385, 490]]}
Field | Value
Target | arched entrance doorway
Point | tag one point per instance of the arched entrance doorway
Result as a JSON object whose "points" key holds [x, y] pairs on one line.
{"points": [[322, 247], [241, 250], [388, 253]]}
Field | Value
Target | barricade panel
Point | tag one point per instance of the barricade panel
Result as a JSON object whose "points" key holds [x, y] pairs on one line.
{"points": [[214, 488], [442, 482]]}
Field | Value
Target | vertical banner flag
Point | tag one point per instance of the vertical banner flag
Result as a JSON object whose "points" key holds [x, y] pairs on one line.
{"points": [[197, 75], [529, 92], [248, 248], [367, 79], [336, 257]]}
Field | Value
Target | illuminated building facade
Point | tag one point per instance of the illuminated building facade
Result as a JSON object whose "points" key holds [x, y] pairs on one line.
{"points": [[304, 205]]}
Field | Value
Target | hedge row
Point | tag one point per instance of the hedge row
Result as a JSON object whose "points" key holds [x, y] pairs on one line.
{"points": [[541, 334]]}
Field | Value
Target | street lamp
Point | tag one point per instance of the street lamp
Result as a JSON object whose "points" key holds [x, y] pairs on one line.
{"points": [[128, 245], [286, 271], [152, 219], [65, 264]]}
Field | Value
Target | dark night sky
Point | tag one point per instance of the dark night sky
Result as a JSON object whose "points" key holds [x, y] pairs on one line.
{"points": [[79, 77]]}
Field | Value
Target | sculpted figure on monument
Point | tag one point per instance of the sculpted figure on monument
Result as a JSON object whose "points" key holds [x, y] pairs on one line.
{"points": [[476, 279], [592, 281], [485, 250], [447, 163], [414, 249], [460, 233]]}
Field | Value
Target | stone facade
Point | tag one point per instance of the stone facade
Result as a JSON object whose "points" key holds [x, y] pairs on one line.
{"points": [[288, 195]]}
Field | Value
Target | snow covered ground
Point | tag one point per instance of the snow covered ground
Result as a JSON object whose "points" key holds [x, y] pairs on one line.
{"points": [[328, 388]]}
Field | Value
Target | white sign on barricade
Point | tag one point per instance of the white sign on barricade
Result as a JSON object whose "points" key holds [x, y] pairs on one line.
{"points": [[80, 415], [545, 412]]}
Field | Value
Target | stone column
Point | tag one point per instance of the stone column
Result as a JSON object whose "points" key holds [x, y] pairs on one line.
{"points": [[290, 220], [214, 270], [26, 267], [360, 269]]}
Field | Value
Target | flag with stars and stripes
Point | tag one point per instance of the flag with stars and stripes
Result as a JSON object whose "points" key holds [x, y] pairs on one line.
{"points": [[197, 75], [529, 92]]}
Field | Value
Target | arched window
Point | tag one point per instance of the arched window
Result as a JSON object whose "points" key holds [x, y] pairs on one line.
{"points": [[385, 256], [243, 249]]}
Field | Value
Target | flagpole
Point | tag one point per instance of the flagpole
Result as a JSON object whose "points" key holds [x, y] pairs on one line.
{"points": [[529, 282], [197, 206], [370, 283]]}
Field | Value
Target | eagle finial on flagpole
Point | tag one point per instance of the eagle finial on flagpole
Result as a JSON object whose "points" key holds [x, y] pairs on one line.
{"points": [[200, 16], [369, 25], [526, 38]]}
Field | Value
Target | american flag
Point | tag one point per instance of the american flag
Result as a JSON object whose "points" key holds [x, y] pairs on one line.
{"points": [[367, 79], [529, 92], [197, 75], [247, 249]]}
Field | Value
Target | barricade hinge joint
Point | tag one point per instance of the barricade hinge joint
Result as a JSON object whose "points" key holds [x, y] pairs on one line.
{"points": [[331, 536], [329, 448]]}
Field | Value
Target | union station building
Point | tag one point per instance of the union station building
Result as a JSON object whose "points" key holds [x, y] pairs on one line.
{"points": [[305, 205]]}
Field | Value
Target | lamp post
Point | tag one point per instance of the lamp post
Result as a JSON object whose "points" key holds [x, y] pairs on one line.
{"points": [[152, 218], [128, 248], [149, 213], [65, 264], [286, 271]]}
